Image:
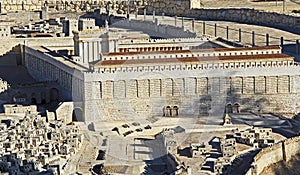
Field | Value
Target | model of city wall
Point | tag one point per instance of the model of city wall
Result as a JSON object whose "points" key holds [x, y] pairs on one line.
{"points": [[72, 5], [282, 151], [243, 15], [188, 8]]}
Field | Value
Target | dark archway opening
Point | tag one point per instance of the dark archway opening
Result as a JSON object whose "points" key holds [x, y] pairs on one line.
{"points": [[229, 108], [175, 111], [33, 101], [54, 94], [77, 114], [236, 107]]}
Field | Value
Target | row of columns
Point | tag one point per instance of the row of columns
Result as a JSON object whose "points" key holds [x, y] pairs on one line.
{"points": [[253, 34], [267, 40], [162, 16], [151, 49]]}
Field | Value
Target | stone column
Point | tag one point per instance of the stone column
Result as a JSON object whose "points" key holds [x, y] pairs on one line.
{"points": [[153, 14], [297, 47], [175, 18], [227, 32], [136, 13], [267, 39], [182, 23], [156, 24], [128, 12], [203, 28], [281, 41], [193, 25], [162, 15], [253, 38], [145, 13], [240, 35], [215, 29]]}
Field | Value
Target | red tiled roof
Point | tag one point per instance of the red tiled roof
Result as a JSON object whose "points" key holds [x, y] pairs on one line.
{"points": [[191, 51], [190, 59]]}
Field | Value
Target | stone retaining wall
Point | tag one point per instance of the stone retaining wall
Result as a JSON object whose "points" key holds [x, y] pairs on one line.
{"points": [[282, 151], [251, 16]]}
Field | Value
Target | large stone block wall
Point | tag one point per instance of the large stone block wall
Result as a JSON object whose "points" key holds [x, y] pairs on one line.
{"points": [[248, 85], [193, 95], [282, 151], [268, 156], [179, 8], [145, 93], [32, 5], [43, 67], [291, 148]]}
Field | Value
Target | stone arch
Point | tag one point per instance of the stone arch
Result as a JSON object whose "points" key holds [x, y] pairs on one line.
{"points": [[54, 94], [77, 114], [168, 111], [175, 110], [236, 108], [229, 108], [33, 99], [43, 98]]}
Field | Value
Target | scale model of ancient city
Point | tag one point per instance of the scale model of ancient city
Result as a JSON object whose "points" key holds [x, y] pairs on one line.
{"points": [[149, 87]]}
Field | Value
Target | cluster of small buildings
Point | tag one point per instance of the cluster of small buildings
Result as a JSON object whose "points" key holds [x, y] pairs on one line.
{"points": [[14, 109], [227, 146], [199, 150], [228, 149], [256, 137], [53, 27], [31, 144]]}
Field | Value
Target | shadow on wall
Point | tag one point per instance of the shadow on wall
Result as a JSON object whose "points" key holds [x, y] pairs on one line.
{"points": [[77, 114]]}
